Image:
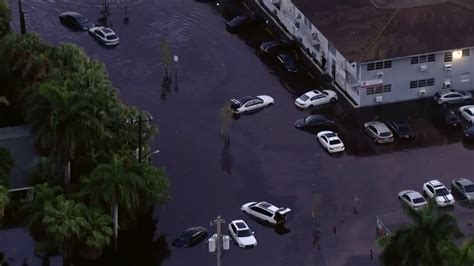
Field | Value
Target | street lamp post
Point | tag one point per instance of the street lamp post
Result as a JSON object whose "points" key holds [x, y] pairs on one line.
{"points": [[218, 242], [140, 121]]}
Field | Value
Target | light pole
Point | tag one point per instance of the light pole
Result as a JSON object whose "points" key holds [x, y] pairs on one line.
{"points": [[218, 242], [140, 121]]}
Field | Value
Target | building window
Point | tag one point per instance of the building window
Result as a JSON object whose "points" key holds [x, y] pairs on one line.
{"points": [[448, 56], [465, 77], [370, 90], [430, 82], [422, 59], [431, 57], [379, 65], [414, 60], [387, 87], [370, 66], [421, 83], [465, 52]]}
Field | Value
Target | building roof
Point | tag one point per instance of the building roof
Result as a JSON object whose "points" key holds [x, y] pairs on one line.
{"points": [[20, 143], [364, 30]]}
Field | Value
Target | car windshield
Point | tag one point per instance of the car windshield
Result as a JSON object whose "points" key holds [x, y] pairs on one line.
{"points": [[185, 236], [385, 134], [83, 20], [403, 127], [334, 142], [244, 233], [112, 37], [469, 188], [418, 200], [442, 192], [304, 97], [312, 119]]}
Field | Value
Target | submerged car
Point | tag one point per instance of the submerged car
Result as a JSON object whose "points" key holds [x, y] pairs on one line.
{"points": [[273, 47], [250, 103], [288, 61], [266, 212], [315, 98], [75, 21], [239, 23], [379, 132], [450, 96], [104, 35], [437, 191], [463, 187], [330, 141], [469, 134], [314, 121], [467, 112], [242, 235], [401, 129], [191, 237], [412, 199]]}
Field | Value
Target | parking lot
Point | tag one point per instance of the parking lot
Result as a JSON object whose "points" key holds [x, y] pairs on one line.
{"points": [[268, 158]]}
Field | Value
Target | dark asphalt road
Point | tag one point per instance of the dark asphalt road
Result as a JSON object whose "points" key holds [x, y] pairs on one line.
{"points": [[268, 160]]}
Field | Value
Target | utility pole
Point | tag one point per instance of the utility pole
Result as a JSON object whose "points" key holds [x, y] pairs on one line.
{"points": [[221, 242], [140, 137]]}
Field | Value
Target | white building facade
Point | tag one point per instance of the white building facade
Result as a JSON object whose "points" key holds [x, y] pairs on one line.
{"points": [[389, 80]]}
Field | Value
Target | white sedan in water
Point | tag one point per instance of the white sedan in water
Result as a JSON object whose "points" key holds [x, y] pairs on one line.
{"points": [[104, 35], [467, 112], [315, 98], [266, 212], [330, 141], [250, 103]]}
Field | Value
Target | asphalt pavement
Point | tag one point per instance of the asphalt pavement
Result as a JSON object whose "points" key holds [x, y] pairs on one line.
{"points": [[268, 158]]}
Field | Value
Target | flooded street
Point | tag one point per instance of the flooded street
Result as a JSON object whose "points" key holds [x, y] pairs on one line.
{"points": [[268, 160]]}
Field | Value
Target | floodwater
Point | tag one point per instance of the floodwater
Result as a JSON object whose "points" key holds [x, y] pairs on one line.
{"points": [[268, 158]]}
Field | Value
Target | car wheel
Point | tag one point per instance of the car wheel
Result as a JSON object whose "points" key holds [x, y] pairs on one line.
{"points": [[333, 100], [270, 104], [424, 194]]}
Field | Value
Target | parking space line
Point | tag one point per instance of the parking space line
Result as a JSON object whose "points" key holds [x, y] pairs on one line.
{"points": [[246, 6], [310, 74]]}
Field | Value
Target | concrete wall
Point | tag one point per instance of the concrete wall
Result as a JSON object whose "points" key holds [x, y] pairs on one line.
{"points": [[402, 72]]}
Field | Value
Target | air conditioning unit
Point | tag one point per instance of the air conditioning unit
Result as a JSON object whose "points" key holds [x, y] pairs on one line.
{"points": [[379, 75], [422, 92], [378, 99], [423, 68], [447, 84], [448, 67]]}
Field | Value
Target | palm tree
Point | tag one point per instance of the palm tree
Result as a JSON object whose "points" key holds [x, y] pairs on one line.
{"points": [[44, 194], [454, 255], [97, 233], [4, 200], [114, 185], [64, 121], [417, 244], [4, 18], [64, 221], [6, 165]]}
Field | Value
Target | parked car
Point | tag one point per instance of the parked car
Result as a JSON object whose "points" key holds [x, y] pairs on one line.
{"points": [[240, 232], [412, 199], [469, 134], [437, 191], [450, 96], [75, 21], [467, 111], [315, 98], [104, 35], [314, 121], [250, 103], [401, 129], [239, 23], [274, 47], [191, 237], [379, 132], [288, 61], [267, 212], [330, 141], [464, 187], [449, 117]]}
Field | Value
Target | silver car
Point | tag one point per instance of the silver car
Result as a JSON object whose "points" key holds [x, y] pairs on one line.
{"points": [[450, 96], [463, 187], [379, 132], [412, 199]]}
